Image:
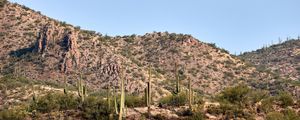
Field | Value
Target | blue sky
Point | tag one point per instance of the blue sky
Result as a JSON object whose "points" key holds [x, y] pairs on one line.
{"points": [[236, 25]]}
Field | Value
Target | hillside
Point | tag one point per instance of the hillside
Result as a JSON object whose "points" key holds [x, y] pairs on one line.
{"points": [[38, 47], [42, 58], [282, 58]]}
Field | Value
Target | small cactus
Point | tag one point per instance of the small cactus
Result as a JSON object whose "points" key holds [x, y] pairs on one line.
{"points": [[65, 87], [33, 94]]}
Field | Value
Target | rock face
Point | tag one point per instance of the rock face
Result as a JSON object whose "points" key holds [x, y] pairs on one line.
{"points": [[42, 40], [71, 54]]}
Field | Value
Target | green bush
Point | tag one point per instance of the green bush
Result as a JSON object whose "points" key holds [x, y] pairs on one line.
{"points": [[229, 110], [53, 102], [45, 104], [267, 105], [11, 82], [234, 95], [67, 102], [13, 114], [174, 100], [255, 96], [290, 114], [134, 101], [275, 116], [197, 115], [96, 108], [285, 99]]}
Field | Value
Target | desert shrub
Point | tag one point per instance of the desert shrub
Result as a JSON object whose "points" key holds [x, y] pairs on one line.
{"points": [[159, 117], [174, 100], [234, 95], [54, 102], [285, 99], [290, 114], [197, 115], [12, 114], [95, 108], [67, 102], [267, 105], [134, 101], [255, 96], [45, 103], [12, 82], [275, 116], [229, 110]]}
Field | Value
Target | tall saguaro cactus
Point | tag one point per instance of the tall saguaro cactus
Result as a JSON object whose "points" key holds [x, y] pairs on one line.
{"points": [[122, 101], [81, 89], [190, 94], [147, 95], [177, 78], [149, 87], [108, 98], [115, 102]]}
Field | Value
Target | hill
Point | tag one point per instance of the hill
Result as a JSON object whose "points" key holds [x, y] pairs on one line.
{"points": [[41, 48], [282, 58], [43, 61]]}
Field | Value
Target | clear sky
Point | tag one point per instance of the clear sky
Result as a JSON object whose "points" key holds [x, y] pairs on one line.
{"points": [[236, 25]]}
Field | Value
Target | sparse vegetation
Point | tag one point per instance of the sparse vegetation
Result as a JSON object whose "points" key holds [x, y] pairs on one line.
{"points": [[174, 100], [263, 83]]}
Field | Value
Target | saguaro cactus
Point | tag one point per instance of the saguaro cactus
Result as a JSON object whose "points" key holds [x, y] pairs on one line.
{"points": [[190, 94], [147, 95], [149, 87], [177, 79], [65, 87], [81, 89], [108, 98], [115, 102], [122, 101]]}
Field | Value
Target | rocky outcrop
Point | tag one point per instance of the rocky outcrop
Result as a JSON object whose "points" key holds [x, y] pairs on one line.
{"points": [[44, 36], [71, 54]]}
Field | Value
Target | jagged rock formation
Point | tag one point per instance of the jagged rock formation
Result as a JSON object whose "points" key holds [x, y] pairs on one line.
{"points": [[71, 54]]}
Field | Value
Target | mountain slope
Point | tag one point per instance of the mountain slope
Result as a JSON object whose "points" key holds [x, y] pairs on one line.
{"points": [[41, 48], [283, 58], [42, 59]]}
